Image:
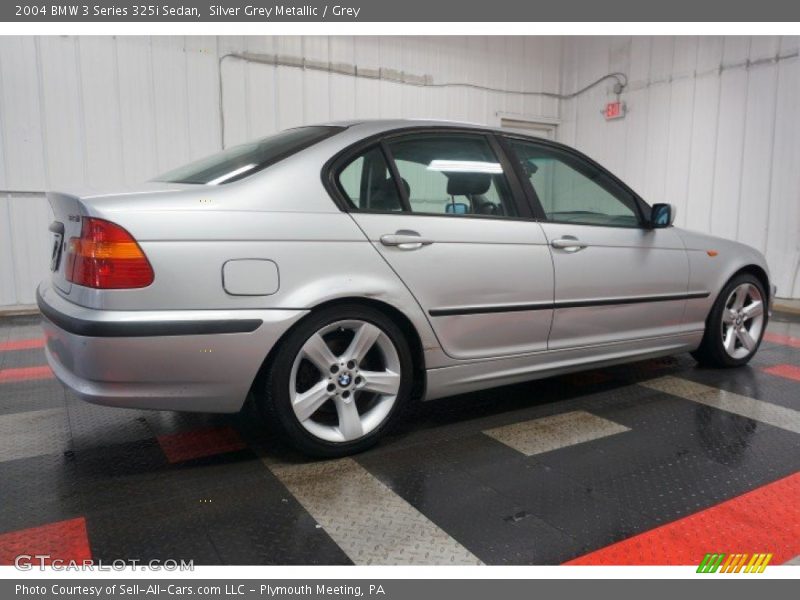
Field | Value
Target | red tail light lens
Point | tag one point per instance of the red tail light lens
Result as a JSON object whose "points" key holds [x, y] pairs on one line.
{"points": [[107, 257]]}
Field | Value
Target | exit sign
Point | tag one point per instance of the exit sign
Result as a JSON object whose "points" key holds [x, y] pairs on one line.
{"points": [[614, 110]]}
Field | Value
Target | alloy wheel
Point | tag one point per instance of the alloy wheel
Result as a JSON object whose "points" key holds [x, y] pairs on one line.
{"points": [[345, 380], [742, 321]]}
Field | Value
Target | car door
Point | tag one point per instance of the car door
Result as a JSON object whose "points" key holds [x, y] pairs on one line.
{"points": [[445, 211], [616, 279]]}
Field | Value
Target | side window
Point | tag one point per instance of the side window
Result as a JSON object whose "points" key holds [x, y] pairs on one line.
{"points": [[368, 185], [572, 191], [452, 174]]}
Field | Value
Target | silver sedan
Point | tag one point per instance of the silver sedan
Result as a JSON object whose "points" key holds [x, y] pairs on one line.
{"points": [[336, 273]]}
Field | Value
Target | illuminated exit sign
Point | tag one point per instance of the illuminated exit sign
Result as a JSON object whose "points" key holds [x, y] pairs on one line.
{"points": [[614, 110]]}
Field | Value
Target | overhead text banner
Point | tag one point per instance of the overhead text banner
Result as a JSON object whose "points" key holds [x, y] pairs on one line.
{"points": [[398, 11]]}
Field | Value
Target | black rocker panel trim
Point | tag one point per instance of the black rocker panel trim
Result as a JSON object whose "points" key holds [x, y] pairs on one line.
{"points": [[477, 310]]}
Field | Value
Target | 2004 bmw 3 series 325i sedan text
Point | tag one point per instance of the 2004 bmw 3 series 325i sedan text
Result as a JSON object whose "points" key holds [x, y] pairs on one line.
{"points": [[339, 272]]}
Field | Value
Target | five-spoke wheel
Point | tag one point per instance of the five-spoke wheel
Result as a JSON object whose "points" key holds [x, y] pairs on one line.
{"points": [[735, 324], [358, 385], [338, 379], [742, 320]]}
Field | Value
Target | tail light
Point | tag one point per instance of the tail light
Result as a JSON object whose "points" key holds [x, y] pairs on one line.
{"points": [[107, 257]]}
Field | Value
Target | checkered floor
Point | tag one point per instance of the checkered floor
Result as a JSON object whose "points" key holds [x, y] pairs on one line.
{"points": [[658, 462]]}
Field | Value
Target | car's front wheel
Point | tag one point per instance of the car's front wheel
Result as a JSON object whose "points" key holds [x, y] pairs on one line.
{"points": [[735, 324], [339, 380]]}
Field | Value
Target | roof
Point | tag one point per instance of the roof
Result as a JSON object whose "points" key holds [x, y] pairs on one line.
{"points": [[378, 125]]}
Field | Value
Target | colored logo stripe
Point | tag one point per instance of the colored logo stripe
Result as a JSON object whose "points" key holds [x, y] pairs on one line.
{"points": [[735, 563], [710, 563]]}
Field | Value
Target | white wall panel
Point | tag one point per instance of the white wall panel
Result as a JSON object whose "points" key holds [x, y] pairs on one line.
{"points": [[172, 101], [64, 139], [8, 284], [757, 156], [22, 119], [137, 105], [202, 81]]}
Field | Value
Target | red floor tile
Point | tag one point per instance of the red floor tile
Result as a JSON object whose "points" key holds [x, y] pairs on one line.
{"points": [[64, 540], [179, 447], [765, 520], [785, 340], [21, 344], [25, 373], [786, 371]]}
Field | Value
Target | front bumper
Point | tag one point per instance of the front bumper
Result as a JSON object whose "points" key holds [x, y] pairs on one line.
{"points": [[194, 360]]}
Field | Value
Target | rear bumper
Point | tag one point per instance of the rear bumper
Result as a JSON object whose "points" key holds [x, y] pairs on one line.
{"points": [[194, 360]]}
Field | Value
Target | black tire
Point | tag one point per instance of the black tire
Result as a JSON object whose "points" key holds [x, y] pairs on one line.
{"points": [[711, 352], [274, 398]]}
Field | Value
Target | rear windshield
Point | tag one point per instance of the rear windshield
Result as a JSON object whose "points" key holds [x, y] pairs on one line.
{"points": [[242, 161]]}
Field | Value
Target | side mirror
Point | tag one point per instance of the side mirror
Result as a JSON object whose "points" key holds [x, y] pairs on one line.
{"points": [[662, 215]]}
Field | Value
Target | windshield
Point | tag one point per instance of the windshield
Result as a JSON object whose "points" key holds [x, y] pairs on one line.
{"points": [[242, 161]]}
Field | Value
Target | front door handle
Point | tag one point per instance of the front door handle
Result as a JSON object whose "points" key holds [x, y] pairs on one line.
{"points": [[568, 243], [405, 240]]}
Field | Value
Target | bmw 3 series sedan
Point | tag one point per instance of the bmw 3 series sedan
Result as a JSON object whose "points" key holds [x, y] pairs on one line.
{"points": [[336, 273]]}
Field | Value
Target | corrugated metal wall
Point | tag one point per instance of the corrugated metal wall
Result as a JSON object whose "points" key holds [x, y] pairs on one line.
{"points": [[713, 126], [705, 131], [101, 111]]}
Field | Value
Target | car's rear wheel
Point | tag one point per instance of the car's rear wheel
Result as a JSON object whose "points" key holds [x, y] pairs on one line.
{"points": [[339, 380], [735, 324]]}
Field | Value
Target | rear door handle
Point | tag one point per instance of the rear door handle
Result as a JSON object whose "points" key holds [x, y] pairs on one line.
{"points": [[568, 243], [405, 240]]}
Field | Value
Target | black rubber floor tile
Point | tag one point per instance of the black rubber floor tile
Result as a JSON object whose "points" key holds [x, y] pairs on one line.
{"points": [[565, 504], [223, 515], [738, 455], [137, 472], [165, 529], [124, 475], [39, 490], [489, 524], [93, 426], [168, 422], [669, 491], [259, 522], [31, 394]]}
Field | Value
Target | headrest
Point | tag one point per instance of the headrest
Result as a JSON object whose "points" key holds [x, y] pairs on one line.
{"points": [[468, 184], [385, 197], [387, 186]]}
